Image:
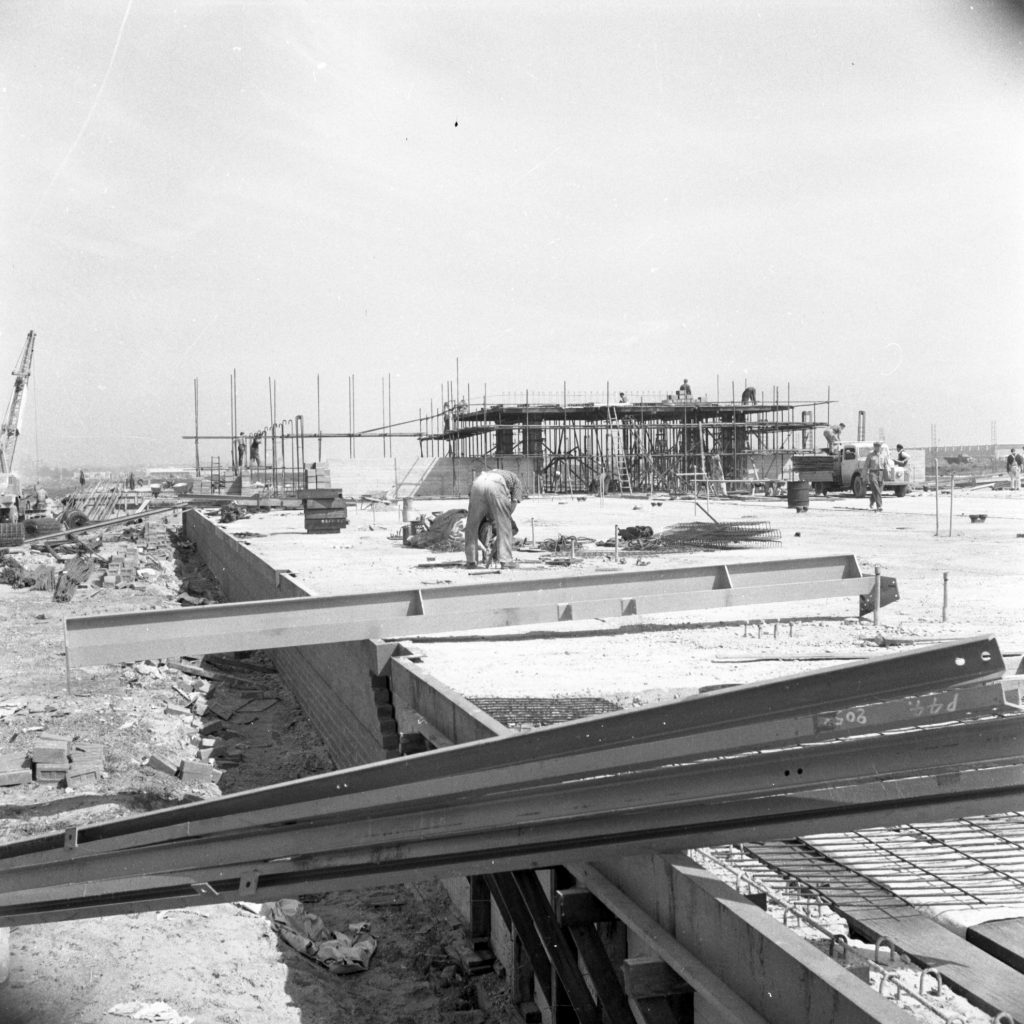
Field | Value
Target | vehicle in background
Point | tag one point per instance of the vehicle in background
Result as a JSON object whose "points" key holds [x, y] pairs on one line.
{"points": [[844, 470]]}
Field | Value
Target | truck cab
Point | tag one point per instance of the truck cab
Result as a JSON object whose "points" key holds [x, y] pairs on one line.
{"points": [[851, 475]]}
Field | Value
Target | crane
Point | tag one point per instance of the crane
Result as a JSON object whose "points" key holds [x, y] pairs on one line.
{"points": [[10, 427]]}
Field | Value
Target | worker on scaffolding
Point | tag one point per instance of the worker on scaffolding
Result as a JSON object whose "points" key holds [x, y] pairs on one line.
{"points": [[493, 497]]}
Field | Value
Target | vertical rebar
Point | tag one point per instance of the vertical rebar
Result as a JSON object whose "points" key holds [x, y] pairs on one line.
{"points": [[877, 593], [945, 595]]}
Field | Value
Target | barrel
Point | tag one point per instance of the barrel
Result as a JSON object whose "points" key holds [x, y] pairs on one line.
{"points": [[798, 495]]}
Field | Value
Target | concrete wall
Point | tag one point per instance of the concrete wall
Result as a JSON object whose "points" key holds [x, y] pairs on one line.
{"points": [[452, 478], [330, 681], [363, 476]]}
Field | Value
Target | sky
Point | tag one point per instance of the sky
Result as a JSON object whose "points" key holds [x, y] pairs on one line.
{"points": [[820, 197]]}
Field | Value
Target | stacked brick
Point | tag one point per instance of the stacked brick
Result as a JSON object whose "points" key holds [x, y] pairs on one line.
{"points": [[54, 759], [123, 567]]}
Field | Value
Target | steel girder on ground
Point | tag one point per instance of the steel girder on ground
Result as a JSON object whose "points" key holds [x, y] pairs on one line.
{"points": [[295, 622], [782, 758]]}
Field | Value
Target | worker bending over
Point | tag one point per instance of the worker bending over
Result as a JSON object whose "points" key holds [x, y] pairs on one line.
{"points": [[493, 496]]}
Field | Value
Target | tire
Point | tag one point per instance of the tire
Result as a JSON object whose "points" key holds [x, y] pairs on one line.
{"points": [[74, 519], [858, 486], [901, 491]]}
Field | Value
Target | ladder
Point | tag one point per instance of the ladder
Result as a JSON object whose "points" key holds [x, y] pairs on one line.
{"points": [[622, 475]]}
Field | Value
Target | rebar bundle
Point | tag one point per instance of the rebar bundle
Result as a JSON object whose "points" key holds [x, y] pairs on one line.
{"points": [[716, 536]]}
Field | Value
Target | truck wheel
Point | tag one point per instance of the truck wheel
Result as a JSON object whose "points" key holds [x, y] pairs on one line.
{"points": [[859, 487], [901, 491]]}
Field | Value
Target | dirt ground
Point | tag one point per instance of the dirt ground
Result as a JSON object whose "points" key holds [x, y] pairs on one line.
{"points": [[223, 963]]}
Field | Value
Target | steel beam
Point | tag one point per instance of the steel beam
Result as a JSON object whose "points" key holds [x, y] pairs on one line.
{"points": [[673, 803], [300, 621], [811, 707], [932, 772]]}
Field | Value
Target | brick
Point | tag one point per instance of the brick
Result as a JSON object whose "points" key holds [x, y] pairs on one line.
{"points": [[198, 771], [49, 773], [88, 773], [14, 760], [49, 754], [161, 764], [15, 776], [56, 739]]}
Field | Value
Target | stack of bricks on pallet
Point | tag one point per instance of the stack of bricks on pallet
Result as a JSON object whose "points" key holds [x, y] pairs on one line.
{"points": [[123, 566], [50, 761], [56, 758]]}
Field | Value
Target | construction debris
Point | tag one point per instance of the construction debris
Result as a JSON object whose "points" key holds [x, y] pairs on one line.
{"points": [[444, 532], [340, 952]]}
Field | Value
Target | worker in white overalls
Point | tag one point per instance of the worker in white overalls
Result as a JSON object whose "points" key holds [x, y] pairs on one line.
{"points": [[493, 497]]}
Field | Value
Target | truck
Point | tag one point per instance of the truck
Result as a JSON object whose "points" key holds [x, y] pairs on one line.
{"points": [[843, 470]]}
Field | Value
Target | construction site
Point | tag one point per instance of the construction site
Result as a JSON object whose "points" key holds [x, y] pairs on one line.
{"points": [[511, 513], [716, 746]]}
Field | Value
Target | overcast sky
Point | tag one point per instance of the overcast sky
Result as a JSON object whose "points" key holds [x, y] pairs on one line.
{"points": [[820, 196]]}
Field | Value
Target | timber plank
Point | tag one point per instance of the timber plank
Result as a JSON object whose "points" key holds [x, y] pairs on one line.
{"points": [[1002, 939]]}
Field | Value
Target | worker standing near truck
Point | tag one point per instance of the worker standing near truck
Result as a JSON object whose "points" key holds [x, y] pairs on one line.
{"points": [[493, 496], [874, 466]]}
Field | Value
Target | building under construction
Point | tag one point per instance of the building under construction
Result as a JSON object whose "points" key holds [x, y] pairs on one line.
{"points": [[675, 445]]}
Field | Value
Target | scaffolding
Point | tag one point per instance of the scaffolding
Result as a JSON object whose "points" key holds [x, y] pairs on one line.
{"points": [[680, 445]]}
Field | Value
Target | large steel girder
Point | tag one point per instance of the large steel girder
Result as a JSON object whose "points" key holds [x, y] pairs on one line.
{"points": [[487, 806], [299, 621]]}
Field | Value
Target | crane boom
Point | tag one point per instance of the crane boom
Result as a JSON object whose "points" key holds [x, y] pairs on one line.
{"points": [[10, 427]]}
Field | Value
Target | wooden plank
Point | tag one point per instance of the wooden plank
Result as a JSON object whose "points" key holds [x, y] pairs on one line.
{"points": [[557, 946], [602, 974], [644, 977], [1002, 939], [513, 909], [578, 906]]}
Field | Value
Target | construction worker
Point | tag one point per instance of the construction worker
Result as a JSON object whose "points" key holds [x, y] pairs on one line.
{"points": [[493, 496], [833, 437], [874, 466]]}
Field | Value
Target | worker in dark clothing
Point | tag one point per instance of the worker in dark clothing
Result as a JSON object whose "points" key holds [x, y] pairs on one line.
{"points": [[902, 458], [254, 451], [874, 464], [493, 496], [240, 453]]}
